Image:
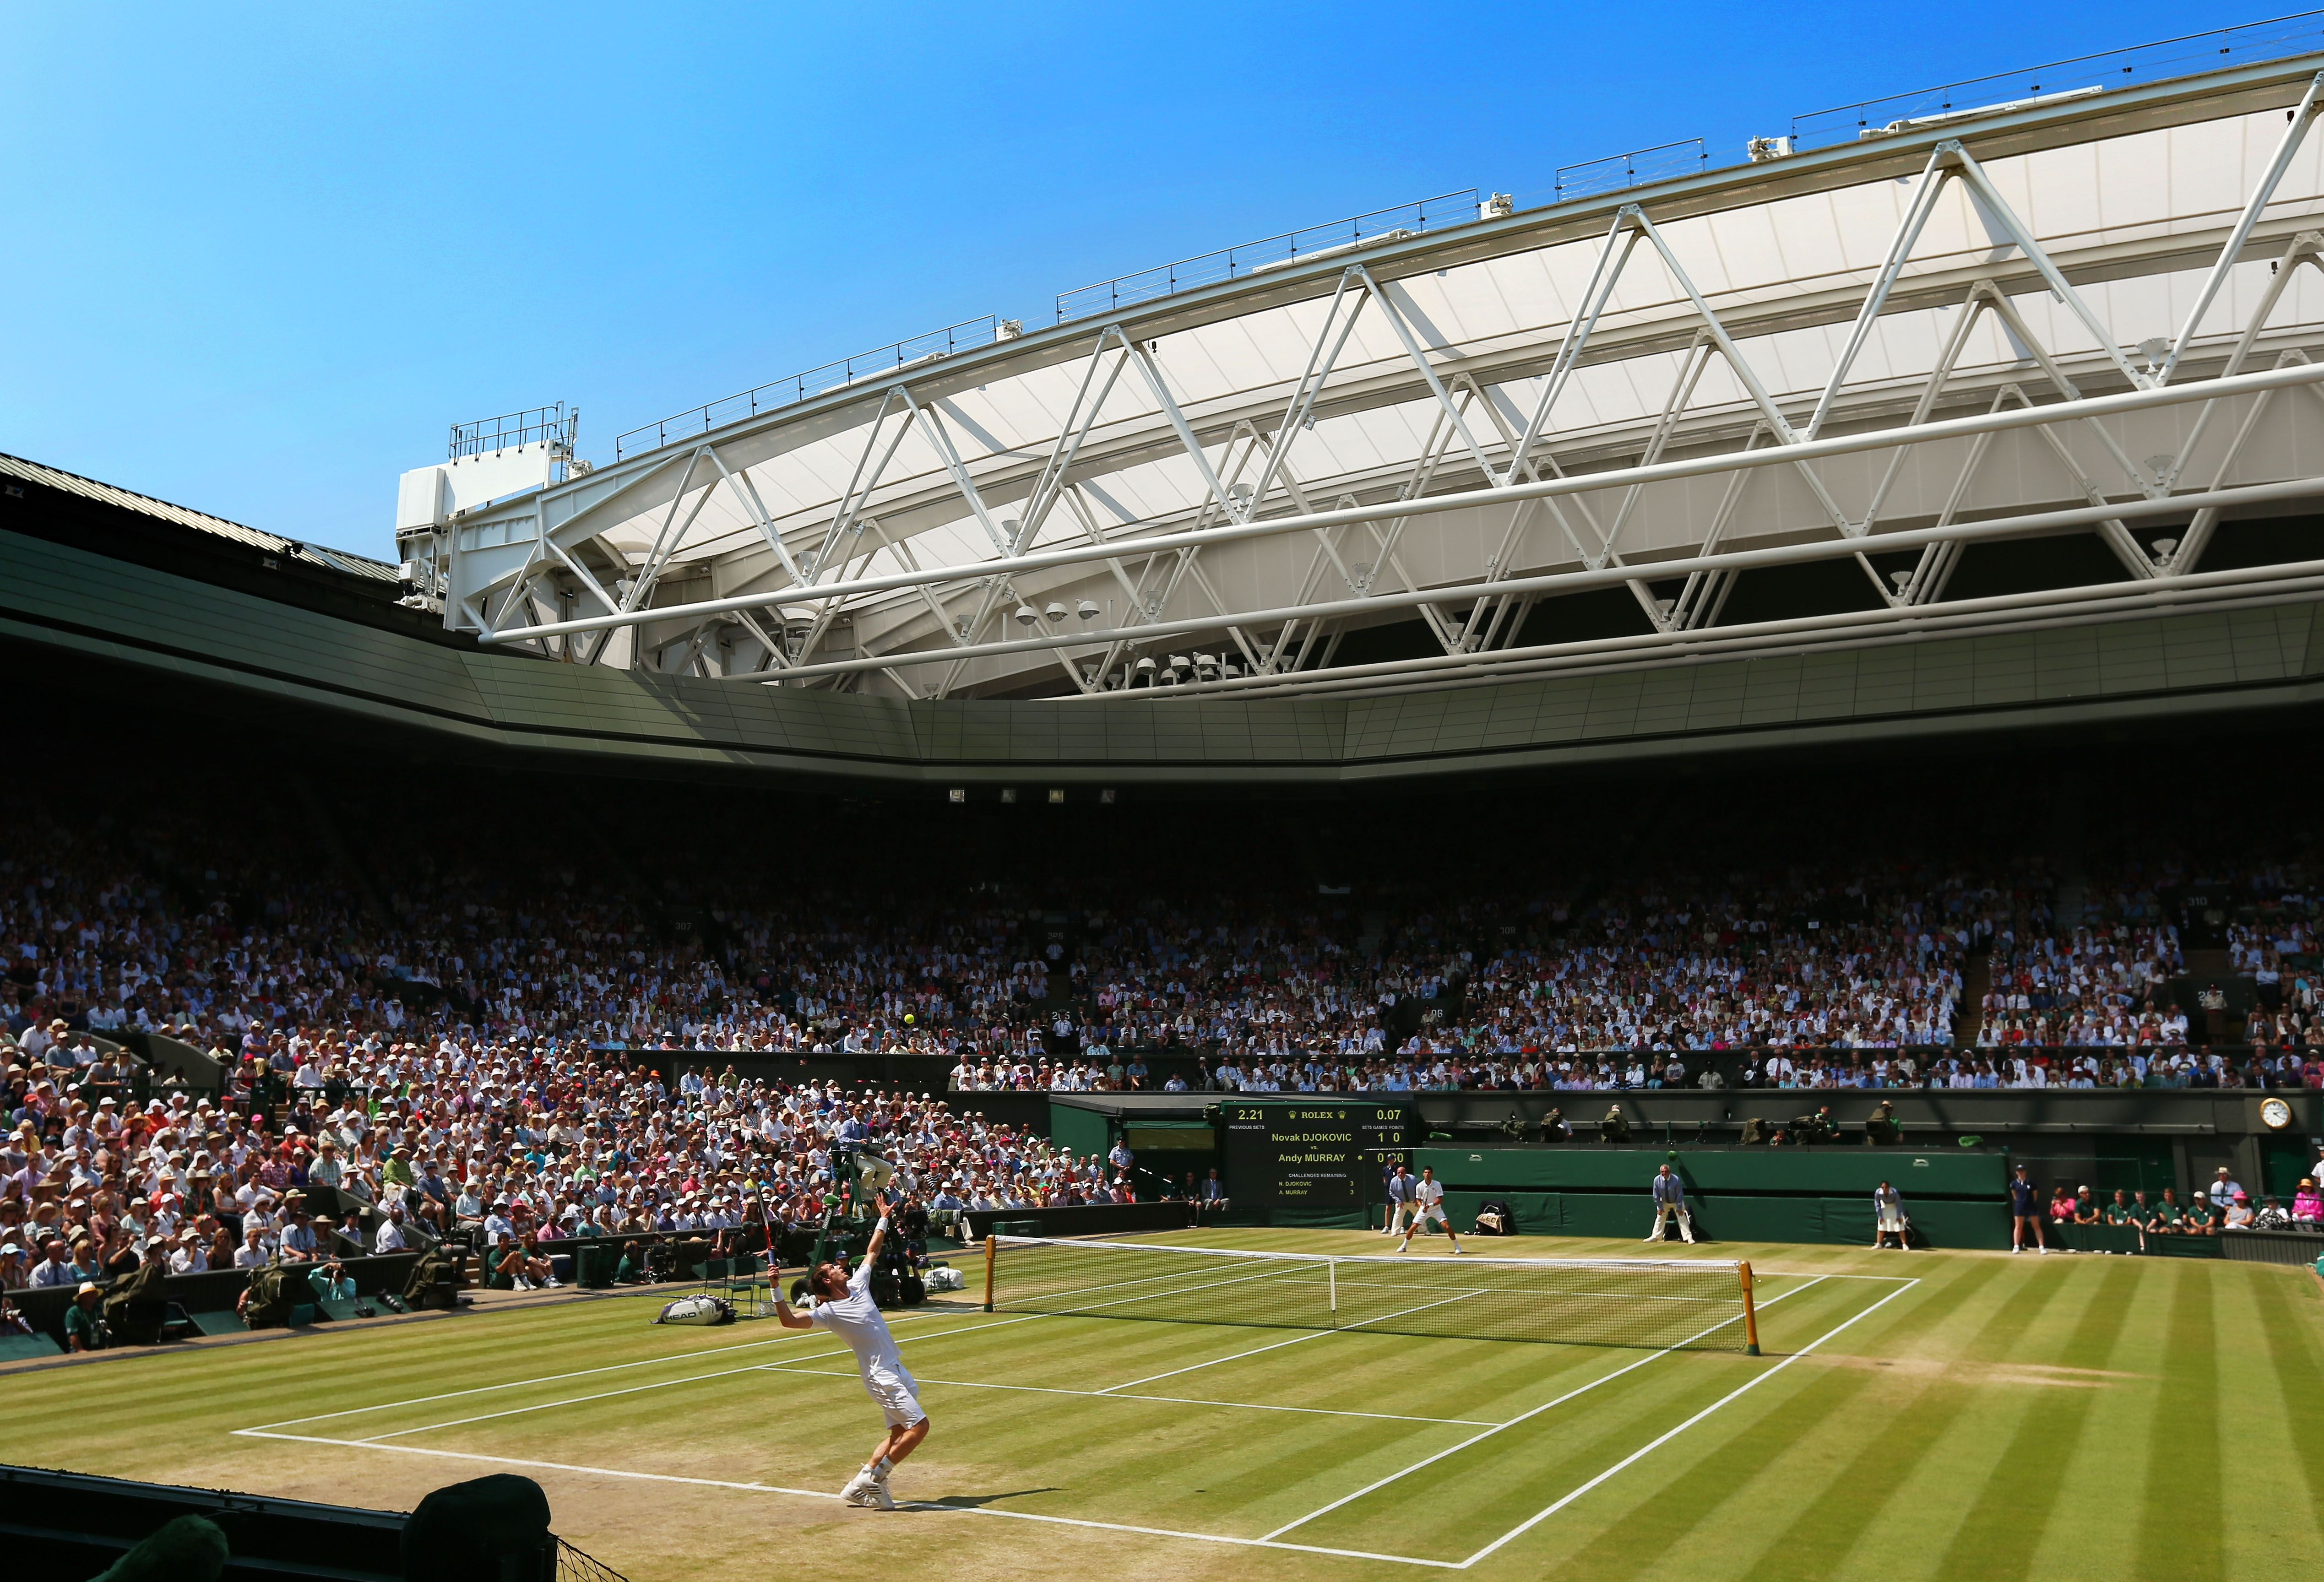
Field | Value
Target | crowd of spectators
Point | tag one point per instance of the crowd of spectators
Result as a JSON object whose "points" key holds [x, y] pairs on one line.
{"points": [[2220, 1205], [474, 1051], [511, 1149]]}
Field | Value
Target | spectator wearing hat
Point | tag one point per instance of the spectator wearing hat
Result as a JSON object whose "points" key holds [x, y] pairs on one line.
{"points": [[2237, 1215], [85, 1328], [13, 1273], [2224, 1189], [2201, 1218], [299, 1235]]}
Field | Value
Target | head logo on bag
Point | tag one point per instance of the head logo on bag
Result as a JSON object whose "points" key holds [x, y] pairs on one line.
{"points": [[701, 1308]]}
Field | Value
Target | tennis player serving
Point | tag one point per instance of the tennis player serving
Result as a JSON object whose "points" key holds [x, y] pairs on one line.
{"points": [[843, 1306]]}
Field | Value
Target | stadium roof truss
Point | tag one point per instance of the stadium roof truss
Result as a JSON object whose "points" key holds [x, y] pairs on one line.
{"points": [[2090, 317]]}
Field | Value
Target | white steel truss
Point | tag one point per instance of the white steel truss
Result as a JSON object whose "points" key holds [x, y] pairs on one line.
{"points": [[1222, 496]]}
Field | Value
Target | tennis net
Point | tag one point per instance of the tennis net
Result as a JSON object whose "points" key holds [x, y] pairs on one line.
{"points": [[1592, 1301]]}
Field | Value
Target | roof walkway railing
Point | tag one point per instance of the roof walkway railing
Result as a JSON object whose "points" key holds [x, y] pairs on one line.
{"points": [[2274, 39]]}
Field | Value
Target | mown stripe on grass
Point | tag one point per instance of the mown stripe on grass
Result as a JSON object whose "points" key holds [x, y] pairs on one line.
{"points": [[1943, 1479], [2295, 1336], [2178, 1519], [2274, 1435], [1718, 1483], [1816, 1541], [1711, 1487], [2003, 1528]]}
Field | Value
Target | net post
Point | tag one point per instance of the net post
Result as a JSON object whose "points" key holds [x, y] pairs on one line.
{"points": [[1750, 1314], [1331, 1275], [988, 1272]]}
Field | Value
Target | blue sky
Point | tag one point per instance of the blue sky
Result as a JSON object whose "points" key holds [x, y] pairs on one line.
{"points": [[254, 259]]}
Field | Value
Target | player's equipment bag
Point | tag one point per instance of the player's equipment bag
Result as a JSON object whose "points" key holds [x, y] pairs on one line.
{"points": [[1494, 1219], [699, 1309]]}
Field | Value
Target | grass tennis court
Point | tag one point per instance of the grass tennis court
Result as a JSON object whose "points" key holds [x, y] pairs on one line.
{"points": [[1929, 1414]]}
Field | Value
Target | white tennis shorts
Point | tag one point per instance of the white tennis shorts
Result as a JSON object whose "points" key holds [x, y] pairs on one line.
{"points": [[1892, 1219], [893, 1394], [1434, 1212]]}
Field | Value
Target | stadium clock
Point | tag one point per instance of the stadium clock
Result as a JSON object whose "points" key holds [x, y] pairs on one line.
{"points": [[2276, 1113]]}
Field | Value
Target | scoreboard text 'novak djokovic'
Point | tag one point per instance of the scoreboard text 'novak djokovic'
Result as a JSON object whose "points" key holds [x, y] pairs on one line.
{"points": [[1290, 1155]]}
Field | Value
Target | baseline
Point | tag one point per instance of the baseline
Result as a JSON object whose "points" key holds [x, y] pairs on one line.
{"points": [[936, 1507]]}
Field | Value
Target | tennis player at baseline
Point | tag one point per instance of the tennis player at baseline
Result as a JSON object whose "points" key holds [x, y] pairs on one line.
{"points": [[1429, 1203], [843, 1306]]}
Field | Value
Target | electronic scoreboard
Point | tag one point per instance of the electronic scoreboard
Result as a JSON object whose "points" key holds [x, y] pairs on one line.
{"points": [[1286, 1153]]}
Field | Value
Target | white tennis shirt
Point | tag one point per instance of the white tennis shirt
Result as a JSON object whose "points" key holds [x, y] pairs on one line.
{"points": [[1428, 1193], [855, 1318]]}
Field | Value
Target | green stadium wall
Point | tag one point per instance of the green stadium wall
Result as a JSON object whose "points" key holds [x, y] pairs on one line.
{"points": [[1954, 1200]]}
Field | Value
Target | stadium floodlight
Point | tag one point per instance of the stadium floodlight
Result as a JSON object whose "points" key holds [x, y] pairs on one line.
{"points": [[1900, 578], [1055, 612], [2164, 546], [1086, 609], [1056, 796], [1026, 615], [959, 793], [1144, 671]]}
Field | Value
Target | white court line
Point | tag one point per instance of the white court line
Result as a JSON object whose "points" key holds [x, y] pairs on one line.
{"points": [[820, 1373], [656, 1361], [932, 1507], [1536, 1411], [1270, 1541], [1214, 1362], [1278, 1344], [669, 1384], [613, 1367], [1544, 1515]]}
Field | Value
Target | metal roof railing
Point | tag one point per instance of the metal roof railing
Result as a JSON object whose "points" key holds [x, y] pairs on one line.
{"points": [[1664, 161], [2274, 38], [533, 426], [813, 382], [1248, 258]]}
